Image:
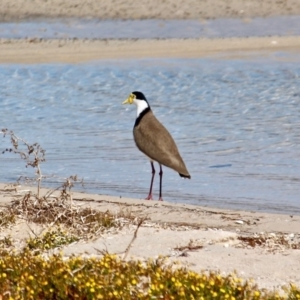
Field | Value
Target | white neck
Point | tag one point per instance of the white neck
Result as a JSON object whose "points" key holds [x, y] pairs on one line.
{"points": [[141, 106]]}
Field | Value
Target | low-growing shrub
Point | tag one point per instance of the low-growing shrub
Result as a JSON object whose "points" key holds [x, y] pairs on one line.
{"points": [[27, 276]]}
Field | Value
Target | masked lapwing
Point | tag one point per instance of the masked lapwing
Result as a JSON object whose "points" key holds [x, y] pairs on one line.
{"points": [[154, 140]]}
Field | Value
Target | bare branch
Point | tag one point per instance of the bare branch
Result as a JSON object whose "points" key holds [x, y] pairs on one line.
{"points": [[33, 154]]}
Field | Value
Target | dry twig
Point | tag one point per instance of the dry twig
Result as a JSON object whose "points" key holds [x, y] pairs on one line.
{"points": [[133, 238], [33, 154]]}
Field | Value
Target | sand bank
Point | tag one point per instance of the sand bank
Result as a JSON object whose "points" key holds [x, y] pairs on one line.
{"points": [[144, 9], [76, 51]]}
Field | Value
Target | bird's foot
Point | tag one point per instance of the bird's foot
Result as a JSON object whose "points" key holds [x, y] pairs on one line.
{"points": [[149, 197], [160, 199]]}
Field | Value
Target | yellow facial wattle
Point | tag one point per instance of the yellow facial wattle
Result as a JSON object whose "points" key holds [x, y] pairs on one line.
{"points": [[129, 100]]}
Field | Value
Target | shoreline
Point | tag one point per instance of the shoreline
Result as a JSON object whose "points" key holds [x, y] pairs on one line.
{"points": [[199, 238], [194, 215], [29, 51]]}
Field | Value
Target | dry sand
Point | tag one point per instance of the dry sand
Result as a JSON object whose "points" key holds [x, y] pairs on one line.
{"points": [[177, 231], [76, 51], [144, 9]]}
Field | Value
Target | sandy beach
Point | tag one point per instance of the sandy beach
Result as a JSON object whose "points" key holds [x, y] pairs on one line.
{"points": [[77, 51], [200, 238]]}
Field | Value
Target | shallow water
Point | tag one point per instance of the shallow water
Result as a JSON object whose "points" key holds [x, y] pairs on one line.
{"points": [[117, 29], [236, 123]]}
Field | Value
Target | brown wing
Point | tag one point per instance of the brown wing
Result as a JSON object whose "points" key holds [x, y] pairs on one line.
{"points": [[154, 140]]}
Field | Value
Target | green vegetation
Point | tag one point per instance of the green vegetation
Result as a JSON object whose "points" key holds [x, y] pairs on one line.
{"points": [[51, 239], [28, 276]]}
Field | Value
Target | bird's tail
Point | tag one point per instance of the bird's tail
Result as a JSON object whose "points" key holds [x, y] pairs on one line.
{"points": [[185, 175]]}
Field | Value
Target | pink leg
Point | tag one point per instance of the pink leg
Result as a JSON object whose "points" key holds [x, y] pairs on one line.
{"points": [[150, 191], [160, 183]]}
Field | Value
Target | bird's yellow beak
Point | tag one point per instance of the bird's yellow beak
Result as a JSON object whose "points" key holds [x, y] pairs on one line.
{"points": [[129, 100]]}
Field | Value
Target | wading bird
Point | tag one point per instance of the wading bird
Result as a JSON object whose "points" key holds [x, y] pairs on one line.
{"points": [[154, 140]]}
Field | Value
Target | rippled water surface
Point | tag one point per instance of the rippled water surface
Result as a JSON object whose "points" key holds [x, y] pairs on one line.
{"points": [[236, 123]]}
